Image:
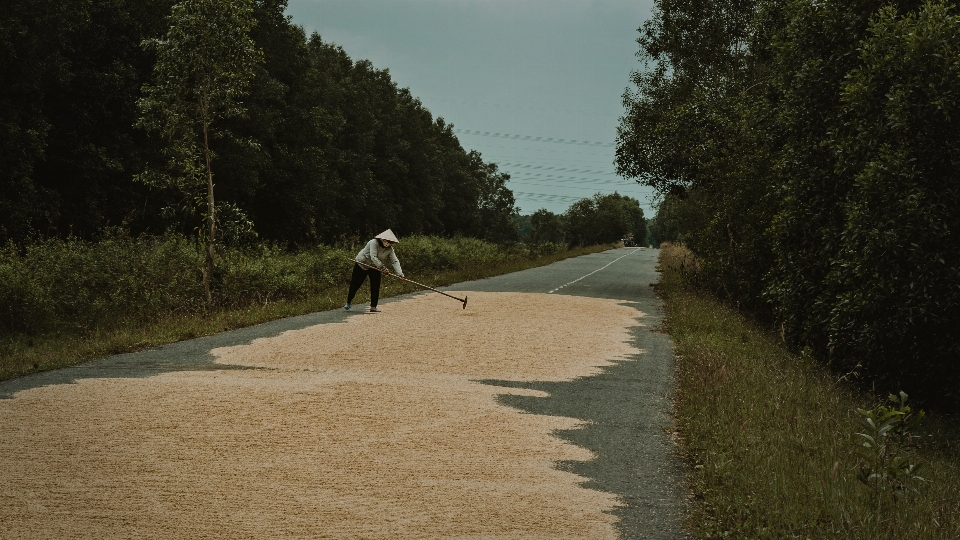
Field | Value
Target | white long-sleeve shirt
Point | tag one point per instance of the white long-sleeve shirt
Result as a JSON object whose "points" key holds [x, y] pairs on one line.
{"points": [[375, 255]]}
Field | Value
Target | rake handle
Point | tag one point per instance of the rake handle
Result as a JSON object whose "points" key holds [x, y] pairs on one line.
{"points": [[463, 300]]}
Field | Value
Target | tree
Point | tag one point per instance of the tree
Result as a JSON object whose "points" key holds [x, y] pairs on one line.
{"points": [[341, 149], [524, 227], [497, 206], [70, 74], [665, 225], [896, 263], [807, 153], [546, 227], [604, 219], [698, 129], [204, 67], [619, 216]]}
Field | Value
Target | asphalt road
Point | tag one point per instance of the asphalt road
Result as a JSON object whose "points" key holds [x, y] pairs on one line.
{"points": [[626, 408]]}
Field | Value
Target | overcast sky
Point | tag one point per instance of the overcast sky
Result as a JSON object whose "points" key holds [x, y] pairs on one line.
{"points": [[505, 72]]}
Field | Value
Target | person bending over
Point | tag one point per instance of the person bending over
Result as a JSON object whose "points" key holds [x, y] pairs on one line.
{"points": [[375, 253]]}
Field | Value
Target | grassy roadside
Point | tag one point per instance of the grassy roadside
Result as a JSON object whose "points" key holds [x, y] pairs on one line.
{"points": [[22, 353], [769, 435]]}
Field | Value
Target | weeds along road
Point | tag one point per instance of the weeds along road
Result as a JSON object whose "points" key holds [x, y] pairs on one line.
{"points": [[540, 411]]}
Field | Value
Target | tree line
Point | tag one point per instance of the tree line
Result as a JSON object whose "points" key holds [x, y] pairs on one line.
{"points": [[601, 219], [808, 153], [326, 148]]}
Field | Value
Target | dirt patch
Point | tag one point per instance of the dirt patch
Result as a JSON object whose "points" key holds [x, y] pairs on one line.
{"points": [[371, 428]]}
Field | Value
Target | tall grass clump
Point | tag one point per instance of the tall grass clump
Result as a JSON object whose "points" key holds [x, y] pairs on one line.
{"points": [[71, 285], [65, 301], [76, 286], [771, 438]]}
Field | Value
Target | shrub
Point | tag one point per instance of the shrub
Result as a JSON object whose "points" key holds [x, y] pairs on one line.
{"points": [[80, 286]]}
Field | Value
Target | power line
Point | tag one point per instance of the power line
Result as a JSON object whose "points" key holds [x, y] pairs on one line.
{"points": [[564, 152], [566, 181], [548, 198], [505, 106], [548, 168], [571, 162], [571, 179], [533, 138], [572, 184], [593, 190]]}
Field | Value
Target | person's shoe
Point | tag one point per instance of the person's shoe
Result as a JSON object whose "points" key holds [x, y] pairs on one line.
{"points": [[346, 306], [374, 310]]}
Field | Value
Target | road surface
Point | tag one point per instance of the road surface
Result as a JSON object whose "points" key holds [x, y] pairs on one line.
{"points": [[542, 410]]}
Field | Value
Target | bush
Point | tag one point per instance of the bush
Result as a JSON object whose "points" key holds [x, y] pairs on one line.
{"points": [[57, 283], [21, 300], [73, 285]]}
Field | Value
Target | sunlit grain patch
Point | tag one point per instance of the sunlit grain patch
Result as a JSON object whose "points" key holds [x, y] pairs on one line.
{"points": [[371, 428]]}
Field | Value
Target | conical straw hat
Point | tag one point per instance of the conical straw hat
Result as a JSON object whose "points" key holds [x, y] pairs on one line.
{"points": [[388, 236]]}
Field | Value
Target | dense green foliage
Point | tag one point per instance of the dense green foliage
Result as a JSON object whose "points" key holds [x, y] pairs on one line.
{"points": [[340, 151], [70, 73], [545, 226], [594, 220], [808, 153], [665, 224], [604, 218]]}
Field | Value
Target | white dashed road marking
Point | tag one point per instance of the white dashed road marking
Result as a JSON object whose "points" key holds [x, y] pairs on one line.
{"points": [[594, 272]]}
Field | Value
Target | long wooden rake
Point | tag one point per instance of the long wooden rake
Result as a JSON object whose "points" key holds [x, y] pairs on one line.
{"points": [[462, 300]]}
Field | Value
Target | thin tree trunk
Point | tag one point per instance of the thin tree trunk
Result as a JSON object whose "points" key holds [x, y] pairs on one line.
{"points": [[211, 207]]}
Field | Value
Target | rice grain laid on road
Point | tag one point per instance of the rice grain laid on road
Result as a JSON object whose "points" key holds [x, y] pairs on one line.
{"points": [[375, 428]]}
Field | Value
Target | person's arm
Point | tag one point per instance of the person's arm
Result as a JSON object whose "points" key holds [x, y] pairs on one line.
{"points": [[395, 263]]}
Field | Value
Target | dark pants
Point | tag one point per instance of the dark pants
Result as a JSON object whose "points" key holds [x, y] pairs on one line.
{"points": [[356, 280]]}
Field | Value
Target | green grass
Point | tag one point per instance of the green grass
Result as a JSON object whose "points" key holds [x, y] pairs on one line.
{"points": [[769, 434], [66, 302]]}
